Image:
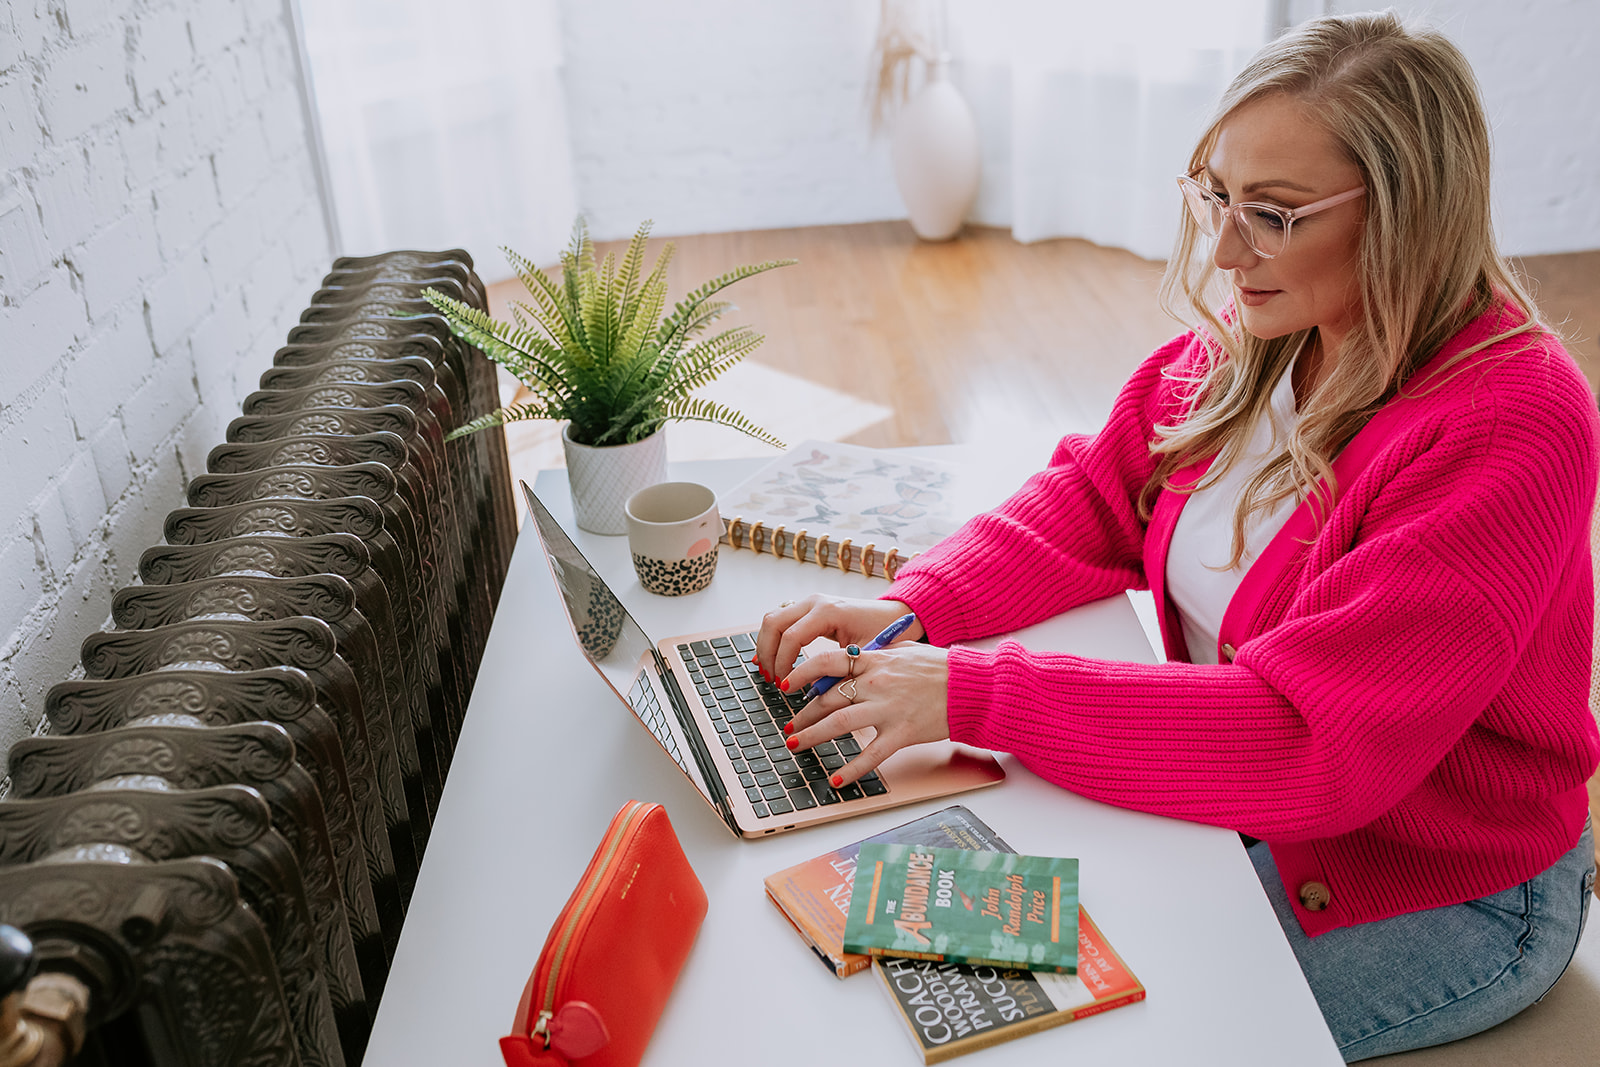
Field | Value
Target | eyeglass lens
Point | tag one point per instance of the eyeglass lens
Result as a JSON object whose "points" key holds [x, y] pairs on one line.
{"points": [[1265, 229]]}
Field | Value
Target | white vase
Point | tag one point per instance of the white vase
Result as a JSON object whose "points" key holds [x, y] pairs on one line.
{"points": [[603, 479], [936, 157]]}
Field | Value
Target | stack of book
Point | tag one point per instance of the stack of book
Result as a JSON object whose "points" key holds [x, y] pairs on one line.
{"points": [[974, 943]]}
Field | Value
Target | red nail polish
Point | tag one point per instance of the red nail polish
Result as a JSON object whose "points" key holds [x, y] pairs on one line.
{"points": [[792, 744], [784, 685], [788, 728], [837, 780]]}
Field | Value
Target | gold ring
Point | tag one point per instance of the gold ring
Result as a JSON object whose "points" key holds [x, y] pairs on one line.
{"points": [[854, 652], [786, 604], [848, 688]]}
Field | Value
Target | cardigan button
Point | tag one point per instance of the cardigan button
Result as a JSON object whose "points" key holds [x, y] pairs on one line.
{"points": [[1228, 652], [1314, 896]]}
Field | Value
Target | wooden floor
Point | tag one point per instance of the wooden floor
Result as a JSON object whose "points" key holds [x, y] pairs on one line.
{"points": [[983, 338]]}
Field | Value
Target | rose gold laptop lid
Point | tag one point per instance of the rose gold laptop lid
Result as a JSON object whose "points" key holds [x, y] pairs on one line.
{"points": [[653, 680]]}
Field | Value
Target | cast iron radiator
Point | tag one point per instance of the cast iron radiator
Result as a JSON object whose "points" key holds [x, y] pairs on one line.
{"points": [[218, 837]]}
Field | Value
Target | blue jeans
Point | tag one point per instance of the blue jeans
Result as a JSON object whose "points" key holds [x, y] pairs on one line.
{"points": [[1433, 976]]}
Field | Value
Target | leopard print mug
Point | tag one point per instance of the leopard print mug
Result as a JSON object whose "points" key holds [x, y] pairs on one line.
{"points": [[672, 535]]}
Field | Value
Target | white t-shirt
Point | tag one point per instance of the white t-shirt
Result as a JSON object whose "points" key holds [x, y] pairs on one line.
{"points": [[1204, 533]]}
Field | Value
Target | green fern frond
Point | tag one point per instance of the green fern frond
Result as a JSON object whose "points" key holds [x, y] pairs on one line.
{"points": [[699, 409], [632, 264], [709, 312], [593, 348], [647, 315], [706, 362], [685, 309], [501, 416], [527, 355], [551, 311]]}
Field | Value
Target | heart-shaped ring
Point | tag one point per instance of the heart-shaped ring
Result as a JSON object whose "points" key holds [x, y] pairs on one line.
{"points": [[854, 652], [848, 688]]}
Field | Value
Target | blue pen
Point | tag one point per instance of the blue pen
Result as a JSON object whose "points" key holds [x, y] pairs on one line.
{"points": [[890, 632]]}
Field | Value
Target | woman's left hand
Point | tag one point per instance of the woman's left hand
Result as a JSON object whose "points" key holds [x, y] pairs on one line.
{"points": [[899, 690]]}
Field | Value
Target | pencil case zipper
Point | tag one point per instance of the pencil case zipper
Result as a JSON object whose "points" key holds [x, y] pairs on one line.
{"points": [[572, 918]]}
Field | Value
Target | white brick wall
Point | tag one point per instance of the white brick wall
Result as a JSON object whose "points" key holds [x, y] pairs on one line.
{"points": [[160, 229]]}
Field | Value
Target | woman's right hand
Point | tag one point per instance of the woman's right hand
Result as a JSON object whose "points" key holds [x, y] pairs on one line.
{"points": [[790, 628]]}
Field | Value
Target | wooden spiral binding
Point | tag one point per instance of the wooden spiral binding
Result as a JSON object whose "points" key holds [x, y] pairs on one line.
{"points": [[802, 548]]}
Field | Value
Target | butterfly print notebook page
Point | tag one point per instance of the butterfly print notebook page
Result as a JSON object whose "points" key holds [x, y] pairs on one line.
{"points": [[826, 489]]}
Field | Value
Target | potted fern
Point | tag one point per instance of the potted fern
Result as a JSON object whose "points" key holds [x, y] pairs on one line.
{"points": [[595, 350]]}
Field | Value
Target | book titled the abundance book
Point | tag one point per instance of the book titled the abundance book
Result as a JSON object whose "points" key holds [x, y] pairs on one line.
{"points": [[952, 1008], [847, 506], [815, 895], [959, 906]]}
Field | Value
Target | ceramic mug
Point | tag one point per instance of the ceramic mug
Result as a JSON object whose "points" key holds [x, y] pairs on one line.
{"points": [[672, 535]]}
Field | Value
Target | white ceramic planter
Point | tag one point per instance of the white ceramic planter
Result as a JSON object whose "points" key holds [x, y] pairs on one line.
{"points": [[936, 157], [603, 479]]}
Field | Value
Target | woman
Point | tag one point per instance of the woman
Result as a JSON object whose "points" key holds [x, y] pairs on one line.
{"points": [[1360, 494]]}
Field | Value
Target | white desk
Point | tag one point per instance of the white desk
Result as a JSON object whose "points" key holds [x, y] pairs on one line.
{"points": [[548, 755]]}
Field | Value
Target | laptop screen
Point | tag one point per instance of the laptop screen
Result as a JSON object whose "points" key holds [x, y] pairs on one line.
{"points": [[609, 636]]}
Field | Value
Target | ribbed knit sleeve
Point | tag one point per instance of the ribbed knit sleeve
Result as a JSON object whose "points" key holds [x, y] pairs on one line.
{"points": [[1070, 535], [1432, 647]]}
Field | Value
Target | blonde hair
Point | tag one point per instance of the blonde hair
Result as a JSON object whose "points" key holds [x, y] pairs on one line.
{"points": [[1403, 105]]}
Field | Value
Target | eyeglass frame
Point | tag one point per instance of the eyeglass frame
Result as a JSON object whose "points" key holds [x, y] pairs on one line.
{"points": [[1289, 215]]}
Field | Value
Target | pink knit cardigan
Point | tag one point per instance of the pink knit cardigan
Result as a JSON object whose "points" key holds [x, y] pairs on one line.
{"points": [[1404, 720]]}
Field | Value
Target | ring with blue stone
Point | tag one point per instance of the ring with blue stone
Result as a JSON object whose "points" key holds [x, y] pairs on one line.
{"points": [[854, 652]]}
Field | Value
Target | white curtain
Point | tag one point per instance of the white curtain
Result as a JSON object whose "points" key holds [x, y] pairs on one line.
{"points": [[444, 125], [1088, 111]]}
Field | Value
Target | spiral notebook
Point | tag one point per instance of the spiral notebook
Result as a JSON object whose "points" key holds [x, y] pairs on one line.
{"points": [[848, 506]]}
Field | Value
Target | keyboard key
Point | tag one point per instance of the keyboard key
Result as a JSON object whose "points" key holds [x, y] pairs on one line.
{"points": [[780, 806], [749, 740], [758, 762], [824, 793], [760, 810], [774, 792], [766, 729], [773, 742], [814, 774], [850, 792], [794, 781], [848, 747], [738, 766], [873, 787], [722, 727], [701, 648], [747, 780], [833, 763], [729, 716], [802, 799], [827, 748], [684, 650], [784, 766], [807, 759], [745, 728], [754, 794], [743, 643], [766, 778], [721, 642]]}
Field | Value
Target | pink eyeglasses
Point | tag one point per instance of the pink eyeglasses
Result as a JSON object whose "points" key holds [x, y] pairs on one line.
{"points": [[1264, 227]]}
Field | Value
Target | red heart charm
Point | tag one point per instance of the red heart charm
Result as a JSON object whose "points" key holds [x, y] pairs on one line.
{"points": [[576, 1030]]}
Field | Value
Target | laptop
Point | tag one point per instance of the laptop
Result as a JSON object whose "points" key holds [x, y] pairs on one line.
{"points": [[722, 724]]}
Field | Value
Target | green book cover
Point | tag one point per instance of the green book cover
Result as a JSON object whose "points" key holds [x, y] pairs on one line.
{"points": [[995, 908]]}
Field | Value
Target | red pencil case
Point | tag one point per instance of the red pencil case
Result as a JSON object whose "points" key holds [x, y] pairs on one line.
{"points": [[612, 957]]}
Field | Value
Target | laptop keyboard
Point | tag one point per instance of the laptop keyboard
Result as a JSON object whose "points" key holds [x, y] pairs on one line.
{"points": [[749, 713]]}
